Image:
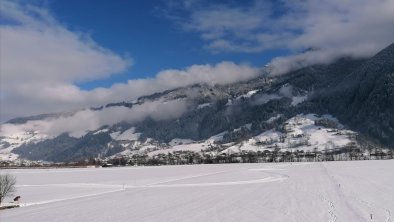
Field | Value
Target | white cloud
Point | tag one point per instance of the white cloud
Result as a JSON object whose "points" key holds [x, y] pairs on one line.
{"points": [[31, 99], [221, 73], [83, 121], [41, 61], [37, 48], [229, 28], [356, 28]]}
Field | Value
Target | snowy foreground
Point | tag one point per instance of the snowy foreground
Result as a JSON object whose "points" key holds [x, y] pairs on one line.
{"points": [[330, 191]]}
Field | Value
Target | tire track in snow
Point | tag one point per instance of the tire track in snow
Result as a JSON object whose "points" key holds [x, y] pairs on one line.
{"points": [[160, 184], [241, 182], [78, 185], [182, 178], [121, 188], [65, 199]]}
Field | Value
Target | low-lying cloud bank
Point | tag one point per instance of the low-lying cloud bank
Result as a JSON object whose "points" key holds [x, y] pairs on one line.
{"points": [[285, 64], [83, 121], [63, 97]]}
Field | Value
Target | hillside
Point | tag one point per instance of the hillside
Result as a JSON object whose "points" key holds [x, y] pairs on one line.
{"points": [[320, 107], [365, 98]]}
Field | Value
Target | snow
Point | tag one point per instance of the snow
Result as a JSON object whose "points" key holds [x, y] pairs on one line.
{"points": [[195, 147], [216, 138], [129, 134], [248, 94], [125, 144], [101, 131], [309, 192], [232, 149], [251, 93], [7, 155], [188, 144], [272, 119], [148, 148], [115, 135], [204, 105], [12, 137], [265, 98], [19, 138], [298, 99], [318, 136], [247, 126], [178, 141], [301, 134], [268, 136]]}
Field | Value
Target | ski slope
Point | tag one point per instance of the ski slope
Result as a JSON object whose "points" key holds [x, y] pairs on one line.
{"points": [[329, 191]]}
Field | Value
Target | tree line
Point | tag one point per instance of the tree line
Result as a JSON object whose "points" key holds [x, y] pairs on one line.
{"points": [[349, 152]]}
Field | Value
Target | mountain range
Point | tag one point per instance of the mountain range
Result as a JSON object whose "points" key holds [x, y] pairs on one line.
{"points": [[319, 107]]}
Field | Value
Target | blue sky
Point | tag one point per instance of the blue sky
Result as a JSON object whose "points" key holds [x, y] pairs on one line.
{"points": [[63, 55], [140, 30]]}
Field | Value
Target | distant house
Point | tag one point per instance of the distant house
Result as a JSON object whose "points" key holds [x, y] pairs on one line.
{"points": [[107, 165]]}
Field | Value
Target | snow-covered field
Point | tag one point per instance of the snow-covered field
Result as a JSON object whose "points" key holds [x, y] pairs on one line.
{"points": [[330, 191]]}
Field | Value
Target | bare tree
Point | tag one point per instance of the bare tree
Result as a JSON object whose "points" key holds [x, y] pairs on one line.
{"points": [[7, 186]]}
